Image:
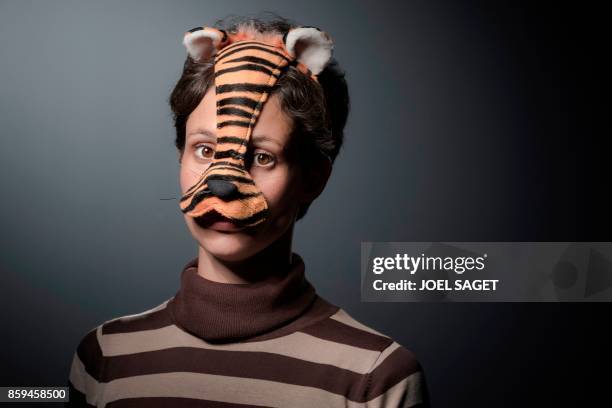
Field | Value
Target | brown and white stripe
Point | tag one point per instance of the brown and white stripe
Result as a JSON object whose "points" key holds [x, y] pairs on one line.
{"points": [[146, 360]]}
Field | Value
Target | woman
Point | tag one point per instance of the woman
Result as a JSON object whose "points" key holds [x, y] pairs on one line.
{"points": [[259, 113]]}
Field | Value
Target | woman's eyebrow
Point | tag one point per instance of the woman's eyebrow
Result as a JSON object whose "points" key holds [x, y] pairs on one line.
{"points": [[204, 132], [263, 138], [254, 139]]}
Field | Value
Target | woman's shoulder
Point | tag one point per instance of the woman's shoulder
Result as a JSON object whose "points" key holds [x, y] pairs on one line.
{"points": [[94, 344], [86, 376], [155, 317], [345, 328], [391, 370]]}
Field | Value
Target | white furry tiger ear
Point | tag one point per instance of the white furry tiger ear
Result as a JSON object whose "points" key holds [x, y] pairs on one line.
{"points": [[310, 46], [204, 42]]}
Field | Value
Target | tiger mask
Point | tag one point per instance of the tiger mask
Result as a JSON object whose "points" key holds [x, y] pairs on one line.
{"points": [[247, 64]]}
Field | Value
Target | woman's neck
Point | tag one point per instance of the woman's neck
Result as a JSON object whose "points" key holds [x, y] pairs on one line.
{"points": [[276, 257]]}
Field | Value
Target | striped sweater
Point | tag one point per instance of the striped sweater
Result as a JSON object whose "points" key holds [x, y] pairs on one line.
{"points": [[273, 343]]}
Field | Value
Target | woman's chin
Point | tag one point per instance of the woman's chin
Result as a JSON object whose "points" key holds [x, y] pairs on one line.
{"points": [[234, 245], [228, 246]]}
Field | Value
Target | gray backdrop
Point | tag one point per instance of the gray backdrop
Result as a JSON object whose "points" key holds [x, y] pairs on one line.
{"points": [[469, 123]]}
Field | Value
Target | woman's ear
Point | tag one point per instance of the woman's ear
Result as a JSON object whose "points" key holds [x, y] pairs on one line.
{"points": [[315, 180], [309, 46]]}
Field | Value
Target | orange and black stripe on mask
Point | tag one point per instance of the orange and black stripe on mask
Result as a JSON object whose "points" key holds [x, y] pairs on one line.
{"points": [[247, 64]]}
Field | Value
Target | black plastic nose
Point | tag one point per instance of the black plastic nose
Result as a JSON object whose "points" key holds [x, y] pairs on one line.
{"points": [[221, 188]]}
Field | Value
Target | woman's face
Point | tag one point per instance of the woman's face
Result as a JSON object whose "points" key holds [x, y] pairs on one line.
{"points": [[269, 166]]}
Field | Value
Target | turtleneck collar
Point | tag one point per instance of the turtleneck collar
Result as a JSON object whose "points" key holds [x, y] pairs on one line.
{"points": [[225, 312]]}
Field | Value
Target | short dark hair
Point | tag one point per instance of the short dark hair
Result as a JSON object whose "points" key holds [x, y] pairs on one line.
{"points": [[319, 111]]}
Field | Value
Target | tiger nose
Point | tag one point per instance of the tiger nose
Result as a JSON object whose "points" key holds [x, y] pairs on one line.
{"points": [[221, 188]]}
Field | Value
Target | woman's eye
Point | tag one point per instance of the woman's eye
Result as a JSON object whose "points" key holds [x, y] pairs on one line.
{"points": [[205, 152], [264, 159]]}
